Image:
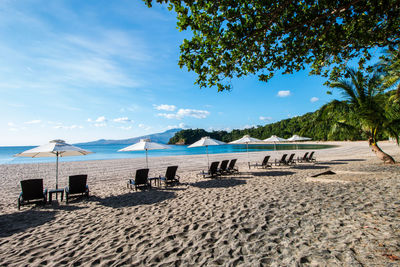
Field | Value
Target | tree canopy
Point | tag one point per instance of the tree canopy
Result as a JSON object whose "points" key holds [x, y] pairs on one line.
{"points": [[319, 125], [241, 37]]}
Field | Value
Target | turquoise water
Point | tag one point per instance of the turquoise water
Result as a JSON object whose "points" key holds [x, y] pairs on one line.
{"points": [[103, 152]]}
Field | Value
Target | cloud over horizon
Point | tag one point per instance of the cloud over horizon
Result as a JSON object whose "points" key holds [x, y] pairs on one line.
{"points": [[193, 113], [262, 118], [284, 93], [314, 99], [165, 107]]}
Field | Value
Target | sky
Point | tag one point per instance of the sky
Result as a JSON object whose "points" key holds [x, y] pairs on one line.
{"points": [[99, 69]]}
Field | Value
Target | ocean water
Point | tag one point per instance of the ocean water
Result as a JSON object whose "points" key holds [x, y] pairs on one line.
{"points": [[102, 152]]}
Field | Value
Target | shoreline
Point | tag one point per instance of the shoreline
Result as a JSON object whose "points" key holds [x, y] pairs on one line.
{"points": [[153, 154], [280, 216]]}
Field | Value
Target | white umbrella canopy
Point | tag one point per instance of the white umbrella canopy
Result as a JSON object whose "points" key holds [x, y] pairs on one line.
{"points": [[246, 139], [298, 138], [275, 139], [207, 141], [144, 144], [55, 148]]}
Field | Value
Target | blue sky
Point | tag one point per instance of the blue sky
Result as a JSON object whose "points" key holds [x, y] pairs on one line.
{"points": [[85, 70]]}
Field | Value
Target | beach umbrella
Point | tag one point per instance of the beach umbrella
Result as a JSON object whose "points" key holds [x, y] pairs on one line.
{"points": [[144, 144], [246, 140], [275, 139], [298, 138], [55, 148], [295, 138], [207, 141]]}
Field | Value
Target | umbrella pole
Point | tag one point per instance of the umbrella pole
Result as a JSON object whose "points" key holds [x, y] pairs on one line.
{"points": [[147, 161], [57, 174], [208, 161], [248, 156]]}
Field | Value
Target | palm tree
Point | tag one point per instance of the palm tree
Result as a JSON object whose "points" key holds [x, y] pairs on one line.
{"points": [[366, 99], [390, 67]]}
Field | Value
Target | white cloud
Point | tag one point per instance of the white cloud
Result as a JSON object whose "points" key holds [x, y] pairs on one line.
{"points": [[262, 118], [101, 119], [33, 122], [284, 93], [180, 125], [125, 128], [122, 120], [89, 120], [68, 127], [11, 124], [165, 107], [314, 99], [102, 124], [194, 113]]}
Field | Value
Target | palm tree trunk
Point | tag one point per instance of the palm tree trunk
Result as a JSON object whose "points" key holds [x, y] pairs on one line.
{"points": [[379, 153]]}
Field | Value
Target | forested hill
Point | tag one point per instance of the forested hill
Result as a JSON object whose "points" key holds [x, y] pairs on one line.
{"points": [[319, 125]]}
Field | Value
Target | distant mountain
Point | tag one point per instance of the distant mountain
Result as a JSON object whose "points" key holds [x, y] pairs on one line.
{"points": [[162, 138]]}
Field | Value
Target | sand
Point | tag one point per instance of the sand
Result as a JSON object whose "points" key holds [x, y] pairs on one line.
{"points": [[276, 217]]}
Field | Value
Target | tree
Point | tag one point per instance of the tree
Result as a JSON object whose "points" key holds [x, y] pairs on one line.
{"points": [[390, 67], [366, 99], [242, 37]]}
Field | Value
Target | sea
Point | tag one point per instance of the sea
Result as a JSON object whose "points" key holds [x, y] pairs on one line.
{"points": [[104, 152]]}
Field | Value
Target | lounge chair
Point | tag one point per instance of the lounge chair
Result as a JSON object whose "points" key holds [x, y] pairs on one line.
{"points": [[264, 164], [141, 180], [304, 158], [77, 186], [212, 171], [311, 157], [231, 167], [170, 177], [32, 192], [223, 168], [282, 161], [291, 160]]}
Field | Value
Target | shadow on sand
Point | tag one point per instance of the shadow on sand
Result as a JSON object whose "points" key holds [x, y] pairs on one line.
{"points": [[310, 167], [349, 160], [332, 162], [273, 173], [218, 183], [135, 198], [21, 221]]}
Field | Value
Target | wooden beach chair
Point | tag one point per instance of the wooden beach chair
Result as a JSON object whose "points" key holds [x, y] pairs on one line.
{"points": [[223, 168], [304, 158], [282, 161], [170, 177], [141, 180], [311, 157], [32, 192], [231, 167], [291, 160], [212, 171], [77, 186], [264, 164]]}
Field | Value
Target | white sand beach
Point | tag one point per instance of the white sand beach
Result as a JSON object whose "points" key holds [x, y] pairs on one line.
{"points": [[275, 217]]}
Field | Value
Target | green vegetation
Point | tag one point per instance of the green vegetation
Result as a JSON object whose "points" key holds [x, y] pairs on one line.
{"points": [[369, 108], [238, 38], [317, 125]]}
